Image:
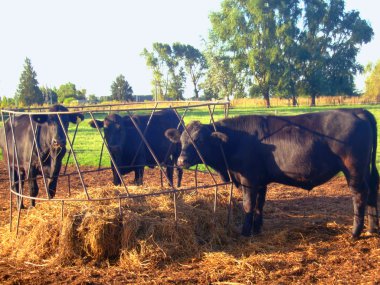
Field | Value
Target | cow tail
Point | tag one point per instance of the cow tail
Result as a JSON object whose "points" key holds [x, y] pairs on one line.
{"points": [[374, 176]]}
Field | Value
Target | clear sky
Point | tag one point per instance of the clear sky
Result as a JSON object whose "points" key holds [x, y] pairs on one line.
{"points": [[91, 42]]}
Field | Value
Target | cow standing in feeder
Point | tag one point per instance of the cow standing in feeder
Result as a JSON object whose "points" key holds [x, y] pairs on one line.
{"points": [[303, 151], [129, 151], [50, 140]]}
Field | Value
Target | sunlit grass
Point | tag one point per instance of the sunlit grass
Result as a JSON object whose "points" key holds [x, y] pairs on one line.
{"points": [[88, 143]]}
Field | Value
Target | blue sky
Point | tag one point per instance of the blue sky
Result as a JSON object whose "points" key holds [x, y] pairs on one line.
{"points": [[91, 42]]}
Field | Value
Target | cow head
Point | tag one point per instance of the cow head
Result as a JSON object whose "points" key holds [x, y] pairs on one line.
{"points": [[114, 132], [203, 136], [53, 134]]}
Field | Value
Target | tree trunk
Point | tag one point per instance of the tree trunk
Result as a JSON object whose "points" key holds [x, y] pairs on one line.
{"points": [[267, 100], [294, 101], [196, 93], [312, 104]]}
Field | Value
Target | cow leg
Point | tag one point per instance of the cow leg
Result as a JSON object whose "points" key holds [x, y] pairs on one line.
{"points": [[116, 179], [360, 195], [139, 174], [16, 188], [169, 173], [372, 211], [179, 171], [33, 185], [258, 217], [55, 168], [249, 201]]}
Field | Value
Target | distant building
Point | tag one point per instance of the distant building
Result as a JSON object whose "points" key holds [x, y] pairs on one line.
{"points": [[142, 98]]}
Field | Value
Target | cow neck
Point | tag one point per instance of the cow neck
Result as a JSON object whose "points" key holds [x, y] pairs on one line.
{"points": [[44, 154]]}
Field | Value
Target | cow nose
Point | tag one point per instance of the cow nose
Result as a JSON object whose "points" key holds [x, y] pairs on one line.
{"points": [[181, 161], [56, 143]]}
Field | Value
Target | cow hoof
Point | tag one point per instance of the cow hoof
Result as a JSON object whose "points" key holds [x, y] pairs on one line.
{"points": [[374, 231], [246, 233], [256, 231], [355, 236]]}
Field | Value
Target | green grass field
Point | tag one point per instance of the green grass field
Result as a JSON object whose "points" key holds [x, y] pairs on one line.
{"points": [[88, 142]]}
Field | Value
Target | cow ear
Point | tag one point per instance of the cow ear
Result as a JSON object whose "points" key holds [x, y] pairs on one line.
{"points": [[173, 135], [99, 123], [220, 137], [40, 119], [76, 118]]}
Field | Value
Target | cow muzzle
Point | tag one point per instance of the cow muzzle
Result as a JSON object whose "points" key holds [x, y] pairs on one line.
{"points": [[57, 144], [183, 162]]}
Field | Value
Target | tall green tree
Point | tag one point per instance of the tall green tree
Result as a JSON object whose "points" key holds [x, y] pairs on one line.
{"points": [[67, 91], [287, 35], [247, 30], [372, 82], [50, 96], [121, 90], [222, 79], [330, 41], [28, 92], [194, 62], [168, 75]]}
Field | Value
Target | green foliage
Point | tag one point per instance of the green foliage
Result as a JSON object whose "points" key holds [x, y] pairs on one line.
{"points": [[28, 92], [68, 90], [121, 90], [194, 62], [169, 77], [329, 45], [50, 96], [372, 82], [287, 46]]}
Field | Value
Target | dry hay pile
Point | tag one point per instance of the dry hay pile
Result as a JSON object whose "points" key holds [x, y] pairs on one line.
{"points": [[144, 235], [306, 239]]}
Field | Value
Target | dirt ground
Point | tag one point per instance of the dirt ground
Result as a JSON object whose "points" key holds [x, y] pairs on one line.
{"points": [[305, 240]]}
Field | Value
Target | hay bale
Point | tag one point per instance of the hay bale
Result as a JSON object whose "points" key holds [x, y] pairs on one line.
{"points": [[145, 235]]}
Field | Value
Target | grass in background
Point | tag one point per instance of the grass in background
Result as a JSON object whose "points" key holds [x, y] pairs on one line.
{"points": [[88, 143]]}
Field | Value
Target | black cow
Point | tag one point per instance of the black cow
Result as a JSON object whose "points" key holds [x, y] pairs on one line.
{"points": [[51, 142], [129, 151], [303, 151]]}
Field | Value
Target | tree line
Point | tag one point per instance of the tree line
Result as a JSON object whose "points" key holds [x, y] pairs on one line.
{"points": [[255, 48], [29, 93]]}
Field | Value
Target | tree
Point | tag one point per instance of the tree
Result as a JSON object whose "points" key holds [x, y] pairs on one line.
{"points": [[67, 92], [194, 62], [121, 90], [222, 79], [50, 96], [168, 75], [330, 40], [287, 34], [286, 46], [247, 31], [93, 99], [28, 92], [372, 82]]}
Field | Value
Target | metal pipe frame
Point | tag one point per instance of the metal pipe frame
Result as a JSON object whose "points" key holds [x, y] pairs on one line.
{"points": [[79, 172]]}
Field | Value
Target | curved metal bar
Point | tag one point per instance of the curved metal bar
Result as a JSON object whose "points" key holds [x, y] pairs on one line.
{"points": [[68, 156], [74, 156], [39, 156], [109, 153], [196, 149], [149, 148], [18, 112], [145, 131]]}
